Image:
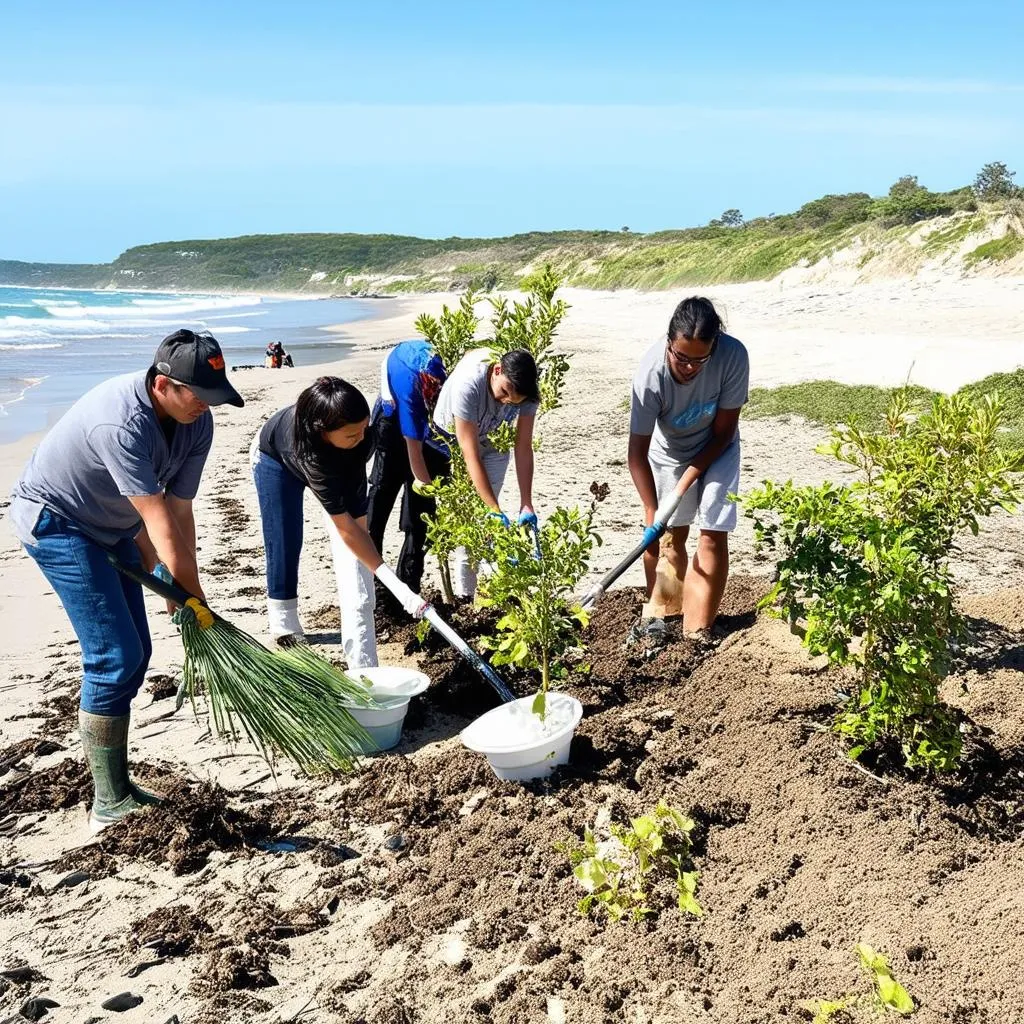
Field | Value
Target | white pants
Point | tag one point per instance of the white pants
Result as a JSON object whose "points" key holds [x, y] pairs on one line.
{"points": [[463, 568], [356, 599]]}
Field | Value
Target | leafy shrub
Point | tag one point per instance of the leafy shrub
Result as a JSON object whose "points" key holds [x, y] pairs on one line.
{"points": [[842, 210], [865, 566], [908, 203], [995, 181], [459, 519]]}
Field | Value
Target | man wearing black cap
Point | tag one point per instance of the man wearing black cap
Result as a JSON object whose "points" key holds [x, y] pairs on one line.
{"points": [[118, 473]]}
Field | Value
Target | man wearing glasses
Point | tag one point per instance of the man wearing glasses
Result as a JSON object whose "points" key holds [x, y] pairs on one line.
{"points": [[118, 473], [684, 440]]}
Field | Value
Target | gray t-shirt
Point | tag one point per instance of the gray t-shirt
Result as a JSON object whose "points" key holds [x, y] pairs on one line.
{"points": [[678, 417], [107, 447], [467, 395]]}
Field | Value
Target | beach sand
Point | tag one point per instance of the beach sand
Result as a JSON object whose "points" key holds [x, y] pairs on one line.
{"points": [[941, 334]]}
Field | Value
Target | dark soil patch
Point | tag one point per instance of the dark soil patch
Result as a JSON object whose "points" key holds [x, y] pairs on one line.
{"points": [[60, 712], [170, 931], [64, 785], [13, 756], [233, 968], [193, 820], [162, 686], [232, 514]]}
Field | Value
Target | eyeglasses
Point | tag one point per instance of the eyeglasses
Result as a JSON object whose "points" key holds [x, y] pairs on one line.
{"points": [[679, 357]]}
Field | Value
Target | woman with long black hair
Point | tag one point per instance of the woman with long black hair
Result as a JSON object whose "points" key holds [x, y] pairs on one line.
{"points": [[321, 443]]}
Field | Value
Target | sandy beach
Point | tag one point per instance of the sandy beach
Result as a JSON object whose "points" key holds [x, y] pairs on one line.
{"points": [[354, 963]]}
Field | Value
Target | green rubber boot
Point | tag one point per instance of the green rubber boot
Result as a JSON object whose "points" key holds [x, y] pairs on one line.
{"points": [[105, 745]]}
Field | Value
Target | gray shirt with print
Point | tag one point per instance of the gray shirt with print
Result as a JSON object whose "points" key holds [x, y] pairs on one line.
{"points": [[109, 446], [466, 394], [678, 417]]}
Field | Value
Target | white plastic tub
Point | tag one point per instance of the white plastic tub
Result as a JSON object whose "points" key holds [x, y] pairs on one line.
{"points": [[518, 745], [391, 688]]}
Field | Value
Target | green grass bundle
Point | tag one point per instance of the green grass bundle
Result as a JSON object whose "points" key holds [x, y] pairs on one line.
{"points": [[290, 702]]}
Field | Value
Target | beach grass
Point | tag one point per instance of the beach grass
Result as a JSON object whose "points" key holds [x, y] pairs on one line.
{"points": [[828, 402]]}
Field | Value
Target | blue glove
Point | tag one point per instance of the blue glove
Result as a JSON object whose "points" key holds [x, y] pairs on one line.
{"points": [[161, 572], [527, 518], [501, 517], [651, 534]]}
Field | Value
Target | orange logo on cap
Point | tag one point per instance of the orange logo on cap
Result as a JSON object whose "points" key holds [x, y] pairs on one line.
{"points": [[217, 362]]}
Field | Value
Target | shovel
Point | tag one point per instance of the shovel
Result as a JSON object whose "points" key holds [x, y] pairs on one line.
{"points": [[651, 534], [467, 652]]}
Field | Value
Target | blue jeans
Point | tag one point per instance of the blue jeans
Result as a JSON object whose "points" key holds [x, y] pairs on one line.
{"points": [[280, 495], [106, 611]]}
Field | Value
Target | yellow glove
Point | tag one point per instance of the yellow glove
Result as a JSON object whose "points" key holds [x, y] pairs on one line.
{"points": [[419, 487], [204, 617]]}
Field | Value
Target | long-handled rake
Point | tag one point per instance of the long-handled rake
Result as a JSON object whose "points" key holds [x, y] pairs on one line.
{"points": [[289, 702]]}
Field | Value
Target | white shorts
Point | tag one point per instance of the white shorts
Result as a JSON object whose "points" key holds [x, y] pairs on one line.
{"points": [[706, 504]]}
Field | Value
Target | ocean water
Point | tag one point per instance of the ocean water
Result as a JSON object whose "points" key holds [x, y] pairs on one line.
{"points": [[56, 344]]}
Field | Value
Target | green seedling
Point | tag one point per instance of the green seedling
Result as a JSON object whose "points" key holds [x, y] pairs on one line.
{"points": [[863, 569], [620, 870], [889, 992], [460, 517], [886, 994], [533, 580]]}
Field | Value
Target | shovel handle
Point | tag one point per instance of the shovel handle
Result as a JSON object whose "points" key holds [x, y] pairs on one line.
{"points": [[651, 534], [168, 591], [499, 685]]}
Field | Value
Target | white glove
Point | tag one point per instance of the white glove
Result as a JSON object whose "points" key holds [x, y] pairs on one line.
{"points": [[410, 601]]}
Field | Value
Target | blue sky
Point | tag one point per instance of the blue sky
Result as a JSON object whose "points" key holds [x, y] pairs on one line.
{"points": [[123, 124]]}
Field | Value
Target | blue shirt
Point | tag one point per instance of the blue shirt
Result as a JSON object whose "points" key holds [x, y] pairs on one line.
{"points": [[404, 369]]}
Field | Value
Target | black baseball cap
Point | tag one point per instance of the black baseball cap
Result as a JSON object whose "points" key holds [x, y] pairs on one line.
{"points": [[196, 361]]}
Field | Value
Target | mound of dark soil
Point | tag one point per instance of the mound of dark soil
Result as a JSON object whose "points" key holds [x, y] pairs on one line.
{"points": [[233, 968], [181, 832], [170, 931], [57, 788], [800, 854]]}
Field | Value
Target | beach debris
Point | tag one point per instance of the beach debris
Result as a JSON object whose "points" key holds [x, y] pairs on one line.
{"points": [[121, 1002], [36, 1008], [21, 974], [134, 972], [71, 880]]}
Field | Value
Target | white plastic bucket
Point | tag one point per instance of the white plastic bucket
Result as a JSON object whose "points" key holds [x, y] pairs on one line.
{"points": [[391, 688], [517, 744]]}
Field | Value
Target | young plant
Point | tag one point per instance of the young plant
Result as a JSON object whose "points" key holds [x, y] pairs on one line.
{"points": [[865, 568], [460, 518], [532, 325], [620, 870], [532, 580], [453, 332], [887, 990], [886, 993]]}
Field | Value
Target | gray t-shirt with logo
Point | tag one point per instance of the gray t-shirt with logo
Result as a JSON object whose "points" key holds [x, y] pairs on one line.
{"points": [[678, 417], [107, 447], [467, 395]]}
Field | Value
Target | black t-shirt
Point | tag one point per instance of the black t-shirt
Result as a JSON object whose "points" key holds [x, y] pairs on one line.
{"points": [[337, 476]]}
